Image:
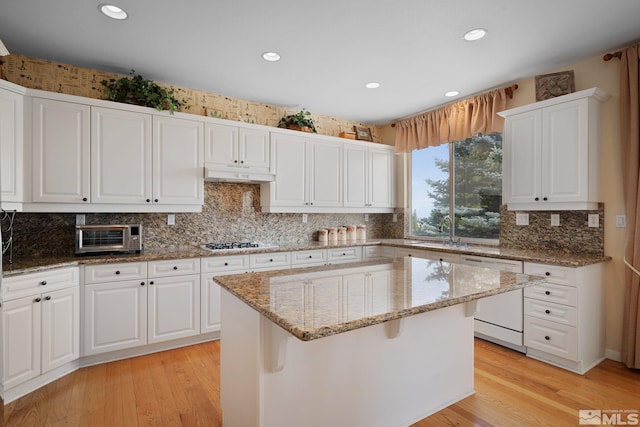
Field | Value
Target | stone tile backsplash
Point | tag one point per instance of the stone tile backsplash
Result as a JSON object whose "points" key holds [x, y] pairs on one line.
{"points": [[573, 235], [231, 212]]}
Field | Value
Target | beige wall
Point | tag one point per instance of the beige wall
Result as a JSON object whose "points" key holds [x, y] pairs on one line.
{"points": [[590, 73]]}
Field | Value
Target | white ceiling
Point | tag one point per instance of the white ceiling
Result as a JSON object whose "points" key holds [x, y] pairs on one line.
{"points": [[329, 48]]}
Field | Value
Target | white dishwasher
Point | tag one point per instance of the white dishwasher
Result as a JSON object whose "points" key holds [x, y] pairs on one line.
{"points": [[499, 318]]}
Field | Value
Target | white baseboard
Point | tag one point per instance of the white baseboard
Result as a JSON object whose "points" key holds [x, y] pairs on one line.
{"points": [[613, 355]]}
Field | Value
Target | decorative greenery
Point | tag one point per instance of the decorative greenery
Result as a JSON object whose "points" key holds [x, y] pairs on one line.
{"points": [[301, 119], [140, 91]]}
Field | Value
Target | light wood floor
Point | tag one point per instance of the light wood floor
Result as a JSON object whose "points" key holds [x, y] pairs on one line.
{"points": [[180, 388]]}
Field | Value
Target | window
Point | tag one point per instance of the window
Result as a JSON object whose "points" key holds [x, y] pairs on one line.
{"points": [[461, 180]]}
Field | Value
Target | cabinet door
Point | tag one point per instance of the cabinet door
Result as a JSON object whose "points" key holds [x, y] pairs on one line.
{"points": [[60, 328], [380, 178], [120, 156], [21, 332], [325, 180], [565, 156], [221, 145], [11, 146], [290, 155], [115, 316], [173, 308], [177, 161], [209, 305], [521, 157], [355, 176], [253, 147], [61, 149]]}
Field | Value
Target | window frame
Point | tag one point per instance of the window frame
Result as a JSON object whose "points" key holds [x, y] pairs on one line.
{"points": [[451, 238]]}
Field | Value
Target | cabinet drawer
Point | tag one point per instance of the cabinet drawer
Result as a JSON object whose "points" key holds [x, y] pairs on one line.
{"points": [[115, 272], [312, 257], [567, 295], [176, 267], [33, 283], [340, 255], [225, 264], [553, 273], [271, 261], [549, 311], [551, 337]]}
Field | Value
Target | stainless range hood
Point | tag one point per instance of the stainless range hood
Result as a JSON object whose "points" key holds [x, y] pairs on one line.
{"points": [[235, 175]]}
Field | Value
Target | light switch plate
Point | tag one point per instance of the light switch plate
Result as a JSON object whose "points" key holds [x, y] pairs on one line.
{"points": [[394, 218], [594, 220], [621, 221], [366, 217], [171, 219], [522, 219], [555, 220], [304, 218]]}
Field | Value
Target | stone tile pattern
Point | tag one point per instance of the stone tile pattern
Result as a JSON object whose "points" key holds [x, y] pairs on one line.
{"points": [[231, 212], [408, 291], [572, 236], [52, 76]]}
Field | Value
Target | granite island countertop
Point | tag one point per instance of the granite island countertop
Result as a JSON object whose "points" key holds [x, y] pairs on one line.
{"points": [[35, 264], [317, 302]]}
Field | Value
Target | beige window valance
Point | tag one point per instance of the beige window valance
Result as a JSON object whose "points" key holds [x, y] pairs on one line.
{"points": [[453, 122]]}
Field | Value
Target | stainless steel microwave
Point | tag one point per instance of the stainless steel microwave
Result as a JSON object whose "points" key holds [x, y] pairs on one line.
{"points": [[108, 239]]}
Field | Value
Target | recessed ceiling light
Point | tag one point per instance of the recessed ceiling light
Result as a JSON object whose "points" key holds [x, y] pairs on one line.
{"points": [[452, 93], [372, 85], [113, 11], [271, 56], [475, 34]]}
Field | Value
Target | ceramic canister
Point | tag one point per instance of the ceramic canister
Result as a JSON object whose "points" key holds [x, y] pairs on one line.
{"points": [[361, 232], [351, 232], [342, 234], [333, 235], [323, 236]]}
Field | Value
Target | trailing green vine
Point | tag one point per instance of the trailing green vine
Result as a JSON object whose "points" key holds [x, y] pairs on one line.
{"points": [[137, 90]]}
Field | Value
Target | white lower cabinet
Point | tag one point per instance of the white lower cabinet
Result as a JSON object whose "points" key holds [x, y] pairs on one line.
{"points": [[421, 253], [40, 332], [210, 291], [115, 316], [121, 314], [173, 307], [564, 318]]}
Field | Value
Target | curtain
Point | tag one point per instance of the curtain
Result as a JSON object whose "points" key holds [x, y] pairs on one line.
{"points": [[630, 139], [453, 122]]}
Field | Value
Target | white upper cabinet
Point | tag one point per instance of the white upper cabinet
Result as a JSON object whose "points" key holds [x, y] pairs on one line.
{"points": [[551, 153], [308, 175], [11, 147], [233, 152], [120, 156], [177, 161], [368, 177], [61, 134]]}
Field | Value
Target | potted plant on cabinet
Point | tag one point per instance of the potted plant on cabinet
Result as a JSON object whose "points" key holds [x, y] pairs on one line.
{"points": [[137, 90], [301, 121]]}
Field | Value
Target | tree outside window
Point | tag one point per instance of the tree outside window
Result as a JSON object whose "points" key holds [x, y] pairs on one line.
{"points": [[467, 189]]}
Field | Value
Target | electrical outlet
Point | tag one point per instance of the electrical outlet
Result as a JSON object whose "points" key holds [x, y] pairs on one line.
{"points": [[555, 220], [395, 218], [80, 219], [366, 217], [522, 219], [304, 218], [621, 221], [171, 219], [594, 220]]}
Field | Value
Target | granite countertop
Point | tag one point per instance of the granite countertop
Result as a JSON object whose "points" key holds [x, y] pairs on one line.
{"points": [[35, 264], [554, 257], [310, 303]]}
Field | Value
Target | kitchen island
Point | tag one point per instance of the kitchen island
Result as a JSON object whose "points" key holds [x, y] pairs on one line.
{"points": [[372, 344]]}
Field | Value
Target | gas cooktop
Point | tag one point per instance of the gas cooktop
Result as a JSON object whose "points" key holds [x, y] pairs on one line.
{"points": [[237, 246]]}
